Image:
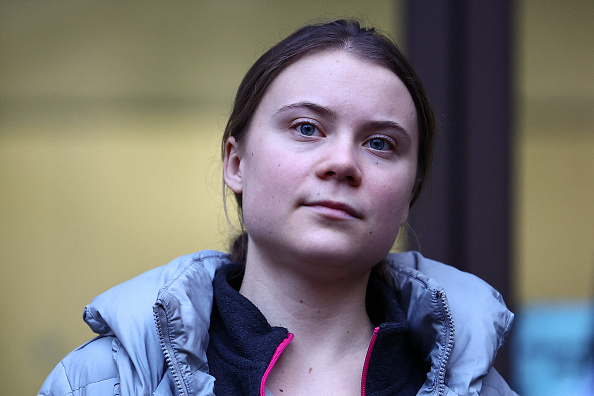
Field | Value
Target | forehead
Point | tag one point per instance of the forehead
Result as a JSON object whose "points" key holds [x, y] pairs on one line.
{"points": [[344, 82], [331, 66]]}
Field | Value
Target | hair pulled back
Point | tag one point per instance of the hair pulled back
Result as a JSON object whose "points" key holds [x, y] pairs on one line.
{"points": [[346, 35]]}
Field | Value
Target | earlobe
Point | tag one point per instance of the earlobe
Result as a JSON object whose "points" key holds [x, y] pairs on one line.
{"points": [[232, 166]]}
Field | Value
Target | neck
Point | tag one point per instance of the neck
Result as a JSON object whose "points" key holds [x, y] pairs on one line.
{"points": [[327, 315], [316, 309]]}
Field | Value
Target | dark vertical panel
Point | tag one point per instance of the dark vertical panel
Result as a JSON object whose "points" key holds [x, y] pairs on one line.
{"points": [[427, 49], [488, 137], [462, 49]]}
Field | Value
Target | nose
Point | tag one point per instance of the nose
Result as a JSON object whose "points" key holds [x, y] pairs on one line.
{"points": [[340, 162]]}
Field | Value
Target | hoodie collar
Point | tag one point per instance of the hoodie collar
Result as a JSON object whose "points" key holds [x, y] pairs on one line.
{"points": [[242, 342]]}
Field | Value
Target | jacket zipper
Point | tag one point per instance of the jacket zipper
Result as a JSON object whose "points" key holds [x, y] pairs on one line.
{"points": [[163, 332], [449, 340], [367, 359], [273, 361]]}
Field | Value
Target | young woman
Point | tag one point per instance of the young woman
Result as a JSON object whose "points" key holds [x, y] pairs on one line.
{"points": [[328, 145]]}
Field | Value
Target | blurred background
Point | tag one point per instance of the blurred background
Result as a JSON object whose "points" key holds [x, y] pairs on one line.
{"points": [[111, 115]]}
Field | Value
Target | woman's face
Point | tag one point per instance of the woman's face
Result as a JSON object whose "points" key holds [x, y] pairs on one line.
{"points": [[328, 165]]}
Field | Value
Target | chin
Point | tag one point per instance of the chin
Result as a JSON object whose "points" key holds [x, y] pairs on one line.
{"points": [[339, 258]]}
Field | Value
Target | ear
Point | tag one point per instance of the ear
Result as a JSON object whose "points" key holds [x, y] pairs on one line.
{"points": [[232, 174]]}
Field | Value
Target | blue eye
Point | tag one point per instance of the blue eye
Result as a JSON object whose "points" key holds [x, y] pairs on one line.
{"points": [[377, 144], [307, 129]]}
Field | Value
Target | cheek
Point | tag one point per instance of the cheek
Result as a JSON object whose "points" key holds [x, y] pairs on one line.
{"points": [[266, 174], [395, 196], [391, 219], [397, 211], [266, 181]]}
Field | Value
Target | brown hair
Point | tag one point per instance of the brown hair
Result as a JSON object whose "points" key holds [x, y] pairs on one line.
{"points": [[365, 43]]}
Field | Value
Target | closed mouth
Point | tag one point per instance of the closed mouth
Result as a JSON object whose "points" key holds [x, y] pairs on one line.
{"points": [[334, 205]]}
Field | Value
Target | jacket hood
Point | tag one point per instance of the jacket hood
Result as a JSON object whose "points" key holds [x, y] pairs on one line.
{"points": [[181, 296]]}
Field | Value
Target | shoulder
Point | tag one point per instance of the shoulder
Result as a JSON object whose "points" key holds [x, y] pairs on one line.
{"points": [[495, 385], [128, 347], [434, 273], [130, 303], [457, 320], [469, 298], [89, 369]]}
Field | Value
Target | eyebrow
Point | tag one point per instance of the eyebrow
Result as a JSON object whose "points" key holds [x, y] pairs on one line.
{"points": [[378, 125], [322, 110], [325, 111]]}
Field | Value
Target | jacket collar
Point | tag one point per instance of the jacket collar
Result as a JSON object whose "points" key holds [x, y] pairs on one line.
{"points": [[456, 319], [183, 290]]}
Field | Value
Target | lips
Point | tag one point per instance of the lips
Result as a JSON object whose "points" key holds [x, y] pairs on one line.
{"points": [[334, 208]]}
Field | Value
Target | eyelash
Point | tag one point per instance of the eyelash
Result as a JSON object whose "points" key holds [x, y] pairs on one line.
{"points": [[299, 124], [389, 141]]}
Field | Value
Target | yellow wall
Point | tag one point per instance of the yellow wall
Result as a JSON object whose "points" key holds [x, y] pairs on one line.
{"points": [[111, 115], [554, 204]]}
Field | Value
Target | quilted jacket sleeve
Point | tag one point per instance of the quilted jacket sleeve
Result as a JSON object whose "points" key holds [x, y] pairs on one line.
{"points": [[88, 370], [495, 385]]}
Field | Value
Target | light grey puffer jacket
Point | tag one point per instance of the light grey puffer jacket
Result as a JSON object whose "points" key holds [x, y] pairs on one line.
{"points": [[153, 331]]}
